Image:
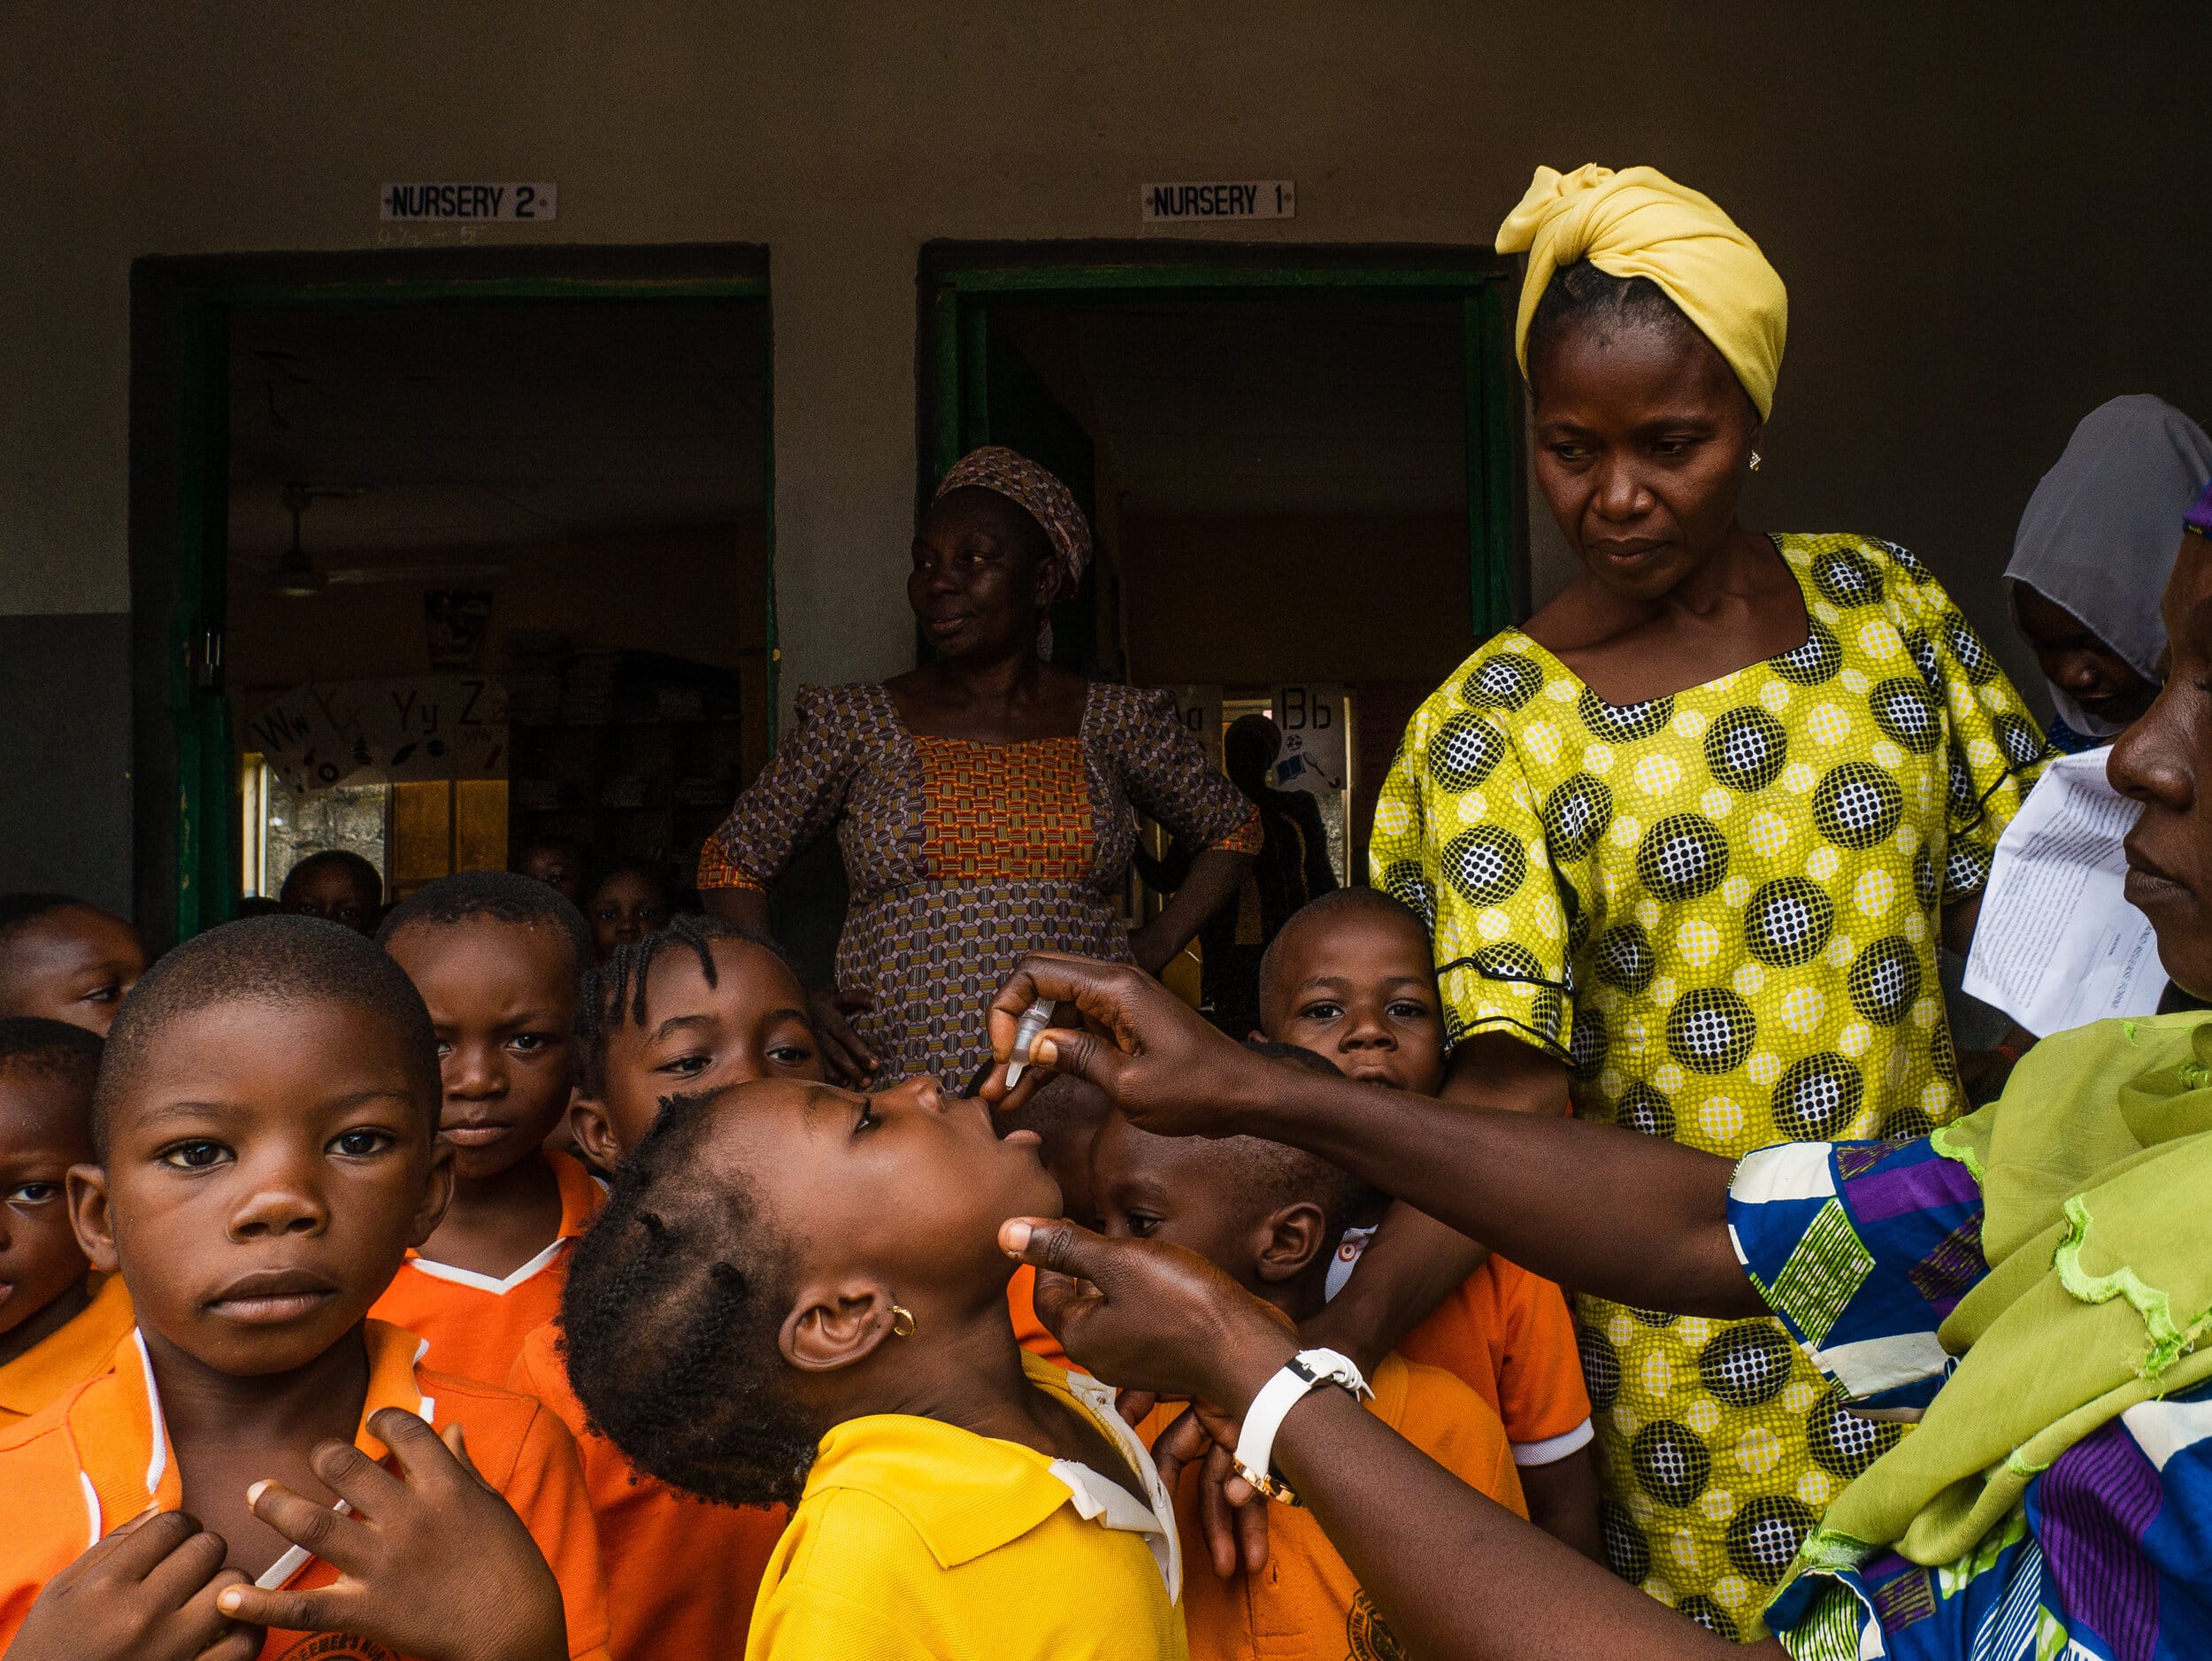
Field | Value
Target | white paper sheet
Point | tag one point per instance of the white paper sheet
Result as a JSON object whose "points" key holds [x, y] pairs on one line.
{"points": [[2058, 945]]}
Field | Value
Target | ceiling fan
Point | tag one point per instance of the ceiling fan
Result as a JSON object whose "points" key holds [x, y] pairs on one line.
{"points": [[295, 576]]}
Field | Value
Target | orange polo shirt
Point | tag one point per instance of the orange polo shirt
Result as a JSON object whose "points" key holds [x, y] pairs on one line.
{"points": [[90, 1463], [681, 1574], [1305, 1605], [1507, 1335], [82, 1348], [1029, 1333], [474, 1324]]}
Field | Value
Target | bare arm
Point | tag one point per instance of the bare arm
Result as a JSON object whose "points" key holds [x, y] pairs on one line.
{"points": [[1414, 1262], [1214, 876], [748, 908], [1457, 1576], [1651, 1215]]}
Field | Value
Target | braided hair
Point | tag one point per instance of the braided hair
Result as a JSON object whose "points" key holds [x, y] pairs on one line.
{"points": [[614, 992], [670, 1317]]}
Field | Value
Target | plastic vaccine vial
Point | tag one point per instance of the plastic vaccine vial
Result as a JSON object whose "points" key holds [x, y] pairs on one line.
{"points": [[1034, 1019]]}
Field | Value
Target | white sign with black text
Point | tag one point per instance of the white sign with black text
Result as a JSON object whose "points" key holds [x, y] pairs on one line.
{"points": [[1315, 755], [453, 202], [1220, 199]]}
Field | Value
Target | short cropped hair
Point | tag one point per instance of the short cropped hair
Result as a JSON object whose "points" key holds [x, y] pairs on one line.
{"points": [[1316, 912], [1274, 1175], [670, 1322], [53, 1050], [286, 961], [339, 859], [490, 896], [615, 991]]}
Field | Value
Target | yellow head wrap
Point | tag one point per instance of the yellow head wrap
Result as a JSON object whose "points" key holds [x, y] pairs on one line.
{"points": [[1642, 224]]}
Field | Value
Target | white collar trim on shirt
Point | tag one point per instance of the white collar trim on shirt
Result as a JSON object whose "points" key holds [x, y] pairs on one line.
{"points": [[1111, 1505], [485, 1282]]}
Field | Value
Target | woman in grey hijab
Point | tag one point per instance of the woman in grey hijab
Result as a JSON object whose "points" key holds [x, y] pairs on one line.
{"points": [[2092, 558]]}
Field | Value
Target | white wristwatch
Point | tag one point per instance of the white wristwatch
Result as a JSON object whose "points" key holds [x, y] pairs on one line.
{"points": [[1306, 1371]]}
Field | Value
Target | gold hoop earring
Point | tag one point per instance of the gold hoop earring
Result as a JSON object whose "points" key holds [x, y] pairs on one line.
{"points": [[1754, 461], [901, 1321]]}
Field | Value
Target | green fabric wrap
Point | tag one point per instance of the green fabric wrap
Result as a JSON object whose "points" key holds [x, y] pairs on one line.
{"points": [[2096, 1173]]}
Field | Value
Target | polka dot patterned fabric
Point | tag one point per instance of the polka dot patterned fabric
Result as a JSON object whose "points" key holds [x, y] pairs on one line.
{"points": [[1721, 909]]}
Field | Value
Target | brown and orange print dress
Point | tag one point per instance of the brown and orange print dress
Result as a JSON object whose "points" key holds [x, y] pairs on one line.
{"points": [[961, 856]]}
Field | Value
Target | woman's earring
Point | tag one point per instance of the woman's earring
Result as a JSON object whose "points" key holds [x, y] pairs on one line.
{"points": [[901, 1321], [1754, 461]]}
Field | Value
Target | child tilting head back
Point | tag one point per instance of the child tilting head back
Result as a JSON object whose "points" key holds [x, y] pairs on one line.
{"points": [[1269, 1216], [264, 1127], [797, 1293], [66, 960], [498, 958], [51, 1337], [698, 1004], [1350, 977]]}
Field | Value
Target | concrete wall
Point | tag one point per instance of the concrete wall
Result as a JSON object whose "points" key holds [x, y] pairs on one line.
{"points": [[1988, 215]]}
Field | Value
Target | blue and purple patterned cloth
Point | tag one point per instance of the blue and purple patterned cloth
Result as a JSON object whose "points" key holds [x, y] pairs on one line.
{"points": [[1862, 1249]]}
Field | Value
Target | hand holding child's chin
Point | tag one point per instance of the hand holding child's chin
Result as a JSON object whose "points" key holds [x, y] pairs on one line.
{"points": [[1148, 1316], [432, 1561], [146, 1593]]}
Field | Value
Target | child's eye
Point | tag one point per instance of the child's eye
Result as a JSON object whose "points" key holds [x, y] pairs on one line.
{"points": [[106, 994], [33, 1193], [1404, 1011], [1142, 1223], [1321, 1011], [198, 1155], [445, 1051], [791, 1054], [867, 1119], [362, 1141], [528, 1043], [687, 1067]]}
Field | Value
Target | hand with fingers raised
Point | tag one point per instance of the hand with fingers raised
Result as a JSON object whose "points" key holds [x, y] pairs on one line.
{"points": [[1164, 1065], [146, 1593], [431, 1560]]}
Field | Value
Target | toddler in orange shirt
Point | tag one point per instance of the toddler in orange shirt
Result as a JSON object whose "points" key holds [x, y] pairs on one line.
{"points": [[1351, 978], [700, 1004], [499, 958], [264, 1127], [56, 1329], [1268, 1217]]}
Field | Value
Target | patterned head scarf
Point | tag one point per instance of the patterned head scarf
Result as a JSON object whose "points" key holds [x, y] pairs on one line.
{"points": [[1642, 224], [2098, 537], [1038, 493]]}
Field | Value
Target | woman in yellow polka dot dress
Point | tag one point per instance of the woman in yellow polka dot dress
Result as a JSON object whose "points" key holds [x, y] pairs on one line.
{"points": [[1694, 833]]}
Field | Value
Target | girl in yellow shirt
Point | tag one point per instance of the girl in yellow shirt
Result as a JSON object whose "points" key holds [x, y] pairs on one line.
{"points": [[796, 1295]]}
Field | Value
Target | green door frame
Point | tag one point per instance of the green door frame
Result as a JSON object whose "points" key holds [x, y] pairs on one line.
{"points": [[961, 281], [184, 834]]}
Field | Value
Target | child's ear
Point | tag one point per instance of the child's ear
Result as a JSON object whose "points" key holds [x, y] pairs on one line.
{"points": [[437, 1193], [88, 1191], [592, 1134], [1290, 1239], [833, 1326]]}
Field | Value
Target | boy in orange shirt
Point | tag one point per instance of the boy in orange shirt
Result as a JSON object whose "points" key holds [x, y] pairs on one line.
{"points": [[499, 958], [55, 1330], [1269, 1216], [1351, 979], [698, 1004], [66, 960], [265, 1124]]}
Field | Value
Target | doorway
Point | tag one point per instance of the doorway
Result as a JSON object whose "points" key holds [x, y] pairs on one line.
{"points": [[460, 552], [1302, 465]]}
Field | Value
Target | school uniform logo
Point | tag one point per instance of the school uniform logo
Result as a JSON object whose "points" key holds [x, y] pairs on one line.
{"points": [[1367, 1635], [338, 1646]]}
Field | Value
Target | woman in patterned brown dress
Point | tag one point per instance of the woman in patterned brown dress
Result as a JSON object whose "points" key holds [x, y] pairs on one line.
{"points": [[982, 802]]}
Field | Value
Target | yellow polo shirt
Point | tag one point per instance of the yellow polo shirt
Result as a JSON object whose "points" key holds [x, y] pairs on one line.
{"points": [[919, 1540]]}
